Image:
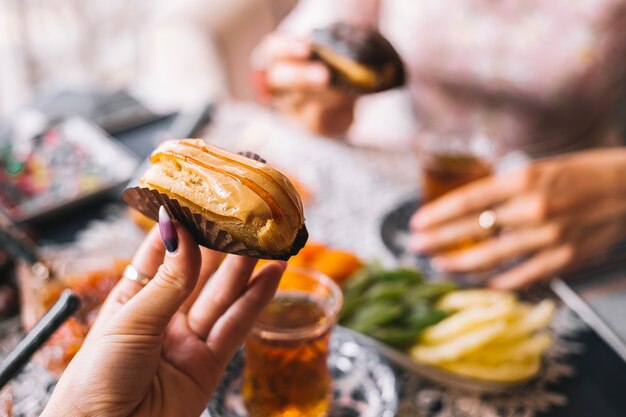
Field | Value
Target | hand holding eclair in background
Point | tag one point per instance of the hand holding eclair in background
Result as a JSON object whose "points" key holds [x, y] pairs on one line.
{"points": [[300, 88], [317, 80]]}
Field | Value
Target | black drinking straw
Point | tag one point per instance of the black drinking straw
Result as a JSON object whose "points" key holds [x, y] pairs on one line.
{"points": [[66, 305]]}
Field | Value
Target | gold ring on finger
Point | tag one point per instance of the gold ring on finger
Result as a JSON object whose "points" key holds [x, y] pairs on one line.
{"points": [[487, 221], [132, 274]]}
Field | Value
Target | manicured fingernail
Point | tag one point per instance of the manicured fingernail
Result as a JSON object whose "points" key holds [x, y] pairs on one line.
{"points": [[168, 231]]}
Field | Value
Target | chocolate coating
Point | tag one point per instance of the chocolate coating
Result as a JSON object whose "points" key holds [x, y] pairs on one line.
{"points": [[366, 49]]}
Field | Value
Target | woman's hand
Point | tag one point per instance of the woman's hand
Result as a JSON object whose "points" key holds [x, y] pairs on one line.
{"points": [[553, 214], [300, 87], [159, 350]]}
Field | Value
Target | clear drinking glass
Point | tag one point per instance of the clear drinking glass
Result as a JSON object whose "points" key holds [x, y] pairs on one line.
{"points": [[286, 372], [451, 160]]}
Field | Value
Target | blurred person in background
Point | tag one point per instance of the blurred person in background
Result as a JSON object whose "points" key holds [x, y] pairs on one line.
{"points": [[544, 78], [171, 55]]}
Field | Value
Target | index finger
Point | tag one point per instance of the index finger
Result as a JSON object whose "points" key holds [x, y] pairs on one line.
{"points": [[146, 261], [280, 46], [211, 260], [227, 333], [221, 291], [308, 76], [479, 195]]}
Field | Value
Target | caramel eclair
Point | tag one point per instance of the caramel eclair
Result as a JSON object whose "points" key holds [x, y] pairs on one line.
{"points": [[229, 202]]}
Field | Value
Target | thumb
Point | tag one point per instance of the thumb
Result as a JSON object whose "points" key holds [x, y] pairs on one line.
{"points": [[150, 311]]}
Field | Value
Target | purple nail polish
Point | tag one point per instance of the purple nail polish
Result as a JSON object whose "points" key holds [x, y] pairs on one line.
{"points": [[168, 231]]}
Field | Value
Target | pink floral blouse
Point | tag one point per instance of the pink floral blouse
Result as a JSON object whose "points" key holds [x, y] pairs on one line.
{"points": [[543, 75]]}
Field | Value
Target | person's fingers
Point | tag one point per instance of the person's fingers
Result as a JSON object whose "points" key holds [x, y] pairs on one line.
{"points": [[595, 238], [151, 309], [307, 76], [279, 46], [475, 197], [538, 207], [525, 210], [588, 229], [223, 289], [601, 210], [146, 260], [447, 234], [211, 260], [495, 251], [228, 332], [541, 266]]}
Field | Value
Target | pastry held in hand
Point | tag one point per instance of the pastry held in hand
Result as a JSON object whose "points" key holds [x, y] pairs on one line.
{"points": [[360, 58], [229, 202]]}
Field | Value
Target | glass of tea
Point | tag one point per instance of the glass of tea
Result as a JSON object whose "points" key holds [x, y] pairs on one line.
{"points": [[285, 372], [450, 160]]}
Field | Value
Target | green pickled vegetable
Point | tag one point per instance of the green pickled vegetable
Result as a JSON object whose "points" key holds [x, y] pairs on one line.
{"points": [[373, 315], [393, 306], [399, 338]]}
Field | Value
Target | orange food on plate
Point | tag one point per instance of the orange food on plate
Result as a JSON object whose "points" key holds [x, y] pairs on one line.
{"points": [[144, 222], [92, 287], [337, 264], [308, 254]]}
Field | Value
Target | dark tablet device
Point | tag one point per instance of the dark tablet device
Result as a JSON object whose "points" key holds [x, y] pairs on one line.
{"points": [[70, 161], [113, 110]]}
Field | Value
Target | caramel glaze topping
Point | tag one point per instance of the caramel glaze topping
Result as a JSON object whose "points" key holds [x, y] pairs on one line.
{"points": [[274, 207]]}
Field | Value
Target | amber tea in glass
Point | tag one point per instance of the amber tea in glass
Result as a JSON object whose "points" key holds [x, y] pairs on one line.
{"points": [[449, 161], [286, 372], [444, 172]]}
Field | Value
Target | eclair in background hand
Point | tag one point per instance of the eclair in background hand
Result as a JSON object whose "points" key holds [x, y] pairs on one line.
{"points": [[359, 57]]}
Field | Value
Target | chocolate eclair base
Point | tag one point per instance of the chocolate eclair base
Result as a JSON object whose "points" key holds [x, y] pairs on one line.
{"points": [[206, 233], [361, 59]]}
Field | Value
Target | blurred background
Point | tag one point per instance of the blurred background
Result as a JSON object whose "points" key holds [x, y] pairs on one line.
{"points": [[88, 88], [55, 45]]}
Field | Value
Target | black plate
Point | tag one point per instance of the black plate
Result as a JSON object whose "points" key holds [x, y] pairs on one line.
{"points": [[394, 229], [394, 232]]}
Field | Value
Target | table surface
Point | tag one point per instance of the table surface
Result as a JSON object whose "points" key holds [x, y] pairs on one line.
{"points": [[595, 390]]}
